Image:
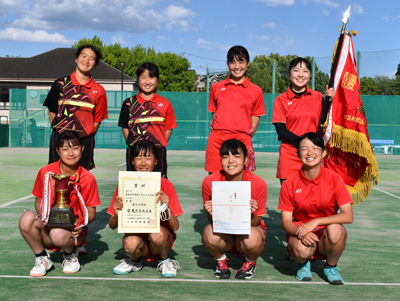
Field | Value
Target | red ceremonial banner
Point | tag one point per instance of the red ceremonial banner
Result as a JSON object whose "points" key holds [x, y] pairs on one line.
{"points": [[349, 152]]}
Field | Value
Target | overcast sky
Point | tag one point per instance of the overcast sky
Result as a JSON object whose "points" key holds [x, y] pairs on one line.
{"points": [[205, 29]]}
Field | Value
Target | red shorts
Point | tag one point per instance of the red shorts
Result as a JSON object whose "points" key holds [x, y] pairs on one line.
{"points": [[317, 255], [215, 140], [84, 234]]}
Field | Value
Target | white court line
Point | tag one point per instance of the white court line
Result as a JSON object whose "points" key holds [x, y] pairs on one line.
{"points": [[16, 201], [196, 280], [388, 193], [122, 164]]}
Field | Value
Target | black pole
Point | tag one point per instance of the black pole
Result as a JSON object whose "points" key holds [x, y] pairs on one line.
{"points": [[122, 78]]}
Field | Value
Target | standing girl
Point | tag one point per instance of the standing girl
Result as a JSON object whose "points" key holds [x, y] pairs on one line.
{"points": [[77, 103], [148, 116], [150, 246], [236, 106], [309, 201], [296, 111]]}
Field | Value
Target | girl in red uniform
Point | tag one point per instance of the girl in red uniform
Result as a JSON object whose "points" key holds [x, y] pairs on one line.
{"points": [[77, 103], [150, 246], [236, 105], [233, 156], [309, 201], [296, 111], [148, 116], [83, 190]]}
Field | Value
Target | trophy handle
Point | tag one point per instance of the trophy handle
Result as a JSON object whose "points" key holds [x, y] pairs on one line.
{"points": [[77, 179]]}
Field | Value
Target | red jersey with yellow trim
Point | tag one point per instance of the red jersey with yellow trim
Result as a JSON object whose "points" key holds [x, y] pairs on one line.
{"points": [[258, 188], [174, 205], [234, 104], [86, 183], [77, 106], [311, 199], [147, 119]]}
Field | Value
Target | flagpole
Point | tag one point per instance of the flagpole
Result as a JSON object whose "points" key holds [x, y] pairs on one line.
{"points": [[333, 70]]}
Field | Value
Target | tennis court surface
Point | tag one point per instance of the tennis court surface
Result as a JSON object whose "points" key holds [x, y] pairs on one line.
{"points": [[370, 263]]}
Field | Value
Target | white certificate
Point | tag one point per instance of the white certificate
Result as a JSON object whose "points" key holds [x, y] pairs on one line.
{"points": [[231, 207], [141, 212]]}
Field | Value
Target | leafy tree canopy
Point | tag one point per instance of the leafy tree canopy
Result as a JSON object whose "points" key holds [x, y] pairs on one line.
{"points": [[174, 73], [260, 73]]}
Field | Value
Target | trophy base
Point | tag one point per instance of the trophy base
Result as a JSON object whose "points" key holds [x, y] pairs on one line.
{"points": [[61, 218]]}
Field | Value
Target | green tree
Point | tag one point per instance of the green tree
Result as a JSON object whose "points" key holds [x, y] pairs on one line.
{"points": [[368, 86], [174, 73], [260, 73], [321, 80], [384, 84], [93, 41]]}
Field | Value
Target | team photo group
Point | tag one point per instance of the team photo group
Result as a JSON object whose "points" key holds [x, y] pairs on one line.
{"points": [[314, 202]]}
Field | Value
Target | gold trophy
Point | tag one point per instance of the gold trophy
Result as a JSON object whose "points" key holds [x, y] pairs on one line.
{"points": [[62, 215]]}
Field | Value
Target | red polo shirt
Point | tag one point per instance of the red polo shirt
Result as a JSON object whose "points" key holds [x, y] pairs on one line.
{"points": [[258, 188], [311, 199], [147, 119], [301, 115], [86, 183], [174, 204], [234, 104], [77, 106]]}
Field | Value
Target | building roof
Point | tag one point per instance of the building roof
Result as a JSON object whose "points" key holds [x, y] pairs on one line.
{"points": [[53, 64]]}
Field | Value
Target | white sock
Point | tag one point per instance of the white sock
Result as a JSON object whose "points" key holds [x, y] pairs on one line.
{"points": [[245, 258], [222, 258]]}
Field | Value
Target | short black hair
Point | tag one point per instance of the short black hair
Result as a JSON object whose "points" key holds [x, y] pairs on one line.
{"points": [[152, 68], [313, 137], [237, 52], [72, 139], [143, 146], [299, 60], [93, 48], [232, 146]]}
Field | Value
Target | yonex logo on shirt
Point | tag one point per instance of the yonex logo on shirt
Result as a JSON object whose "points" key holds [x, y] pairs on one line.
{"points": [[94, 91], [289, 103], [222, 89], [298, 190], [160, 104]]}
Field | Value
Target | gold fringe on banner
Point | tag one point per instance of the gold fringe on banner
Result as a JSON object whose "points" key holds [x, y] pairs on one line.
{"points": [[357, 143]]}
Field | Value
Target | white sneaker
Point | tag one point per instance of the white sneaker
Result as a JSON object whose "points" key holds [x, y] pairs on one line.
{"points": [[126, 266], [168, 267], [82, 250], [71, 264], [42, 265]]}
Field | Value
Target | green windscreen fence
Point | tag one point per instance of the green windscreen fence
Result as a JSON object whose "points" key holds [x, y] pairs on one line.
{"points": [[29, 124]]}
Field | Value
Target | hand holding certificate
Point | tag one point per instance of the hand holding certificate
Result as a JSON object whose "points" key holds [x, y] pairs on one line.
{"points": [[140, 212], [231, 210]]}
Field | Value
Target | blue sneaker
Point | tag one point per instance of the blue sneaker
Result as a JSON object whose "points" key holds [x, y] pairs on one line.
{"points": [[332, 276], [303, 271]]}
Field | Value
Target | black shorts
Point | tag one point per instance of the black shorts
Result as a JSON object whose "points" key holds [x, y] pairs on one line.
{"points": [[86, 160], [161, 163]]}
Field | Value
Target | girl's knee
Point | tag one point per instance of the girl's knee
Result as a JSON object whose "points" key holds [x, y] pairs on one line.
{"points": [[158, 239], [27, 220], [335, 233], [60, 237], [131, 243], [299, 250]]}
